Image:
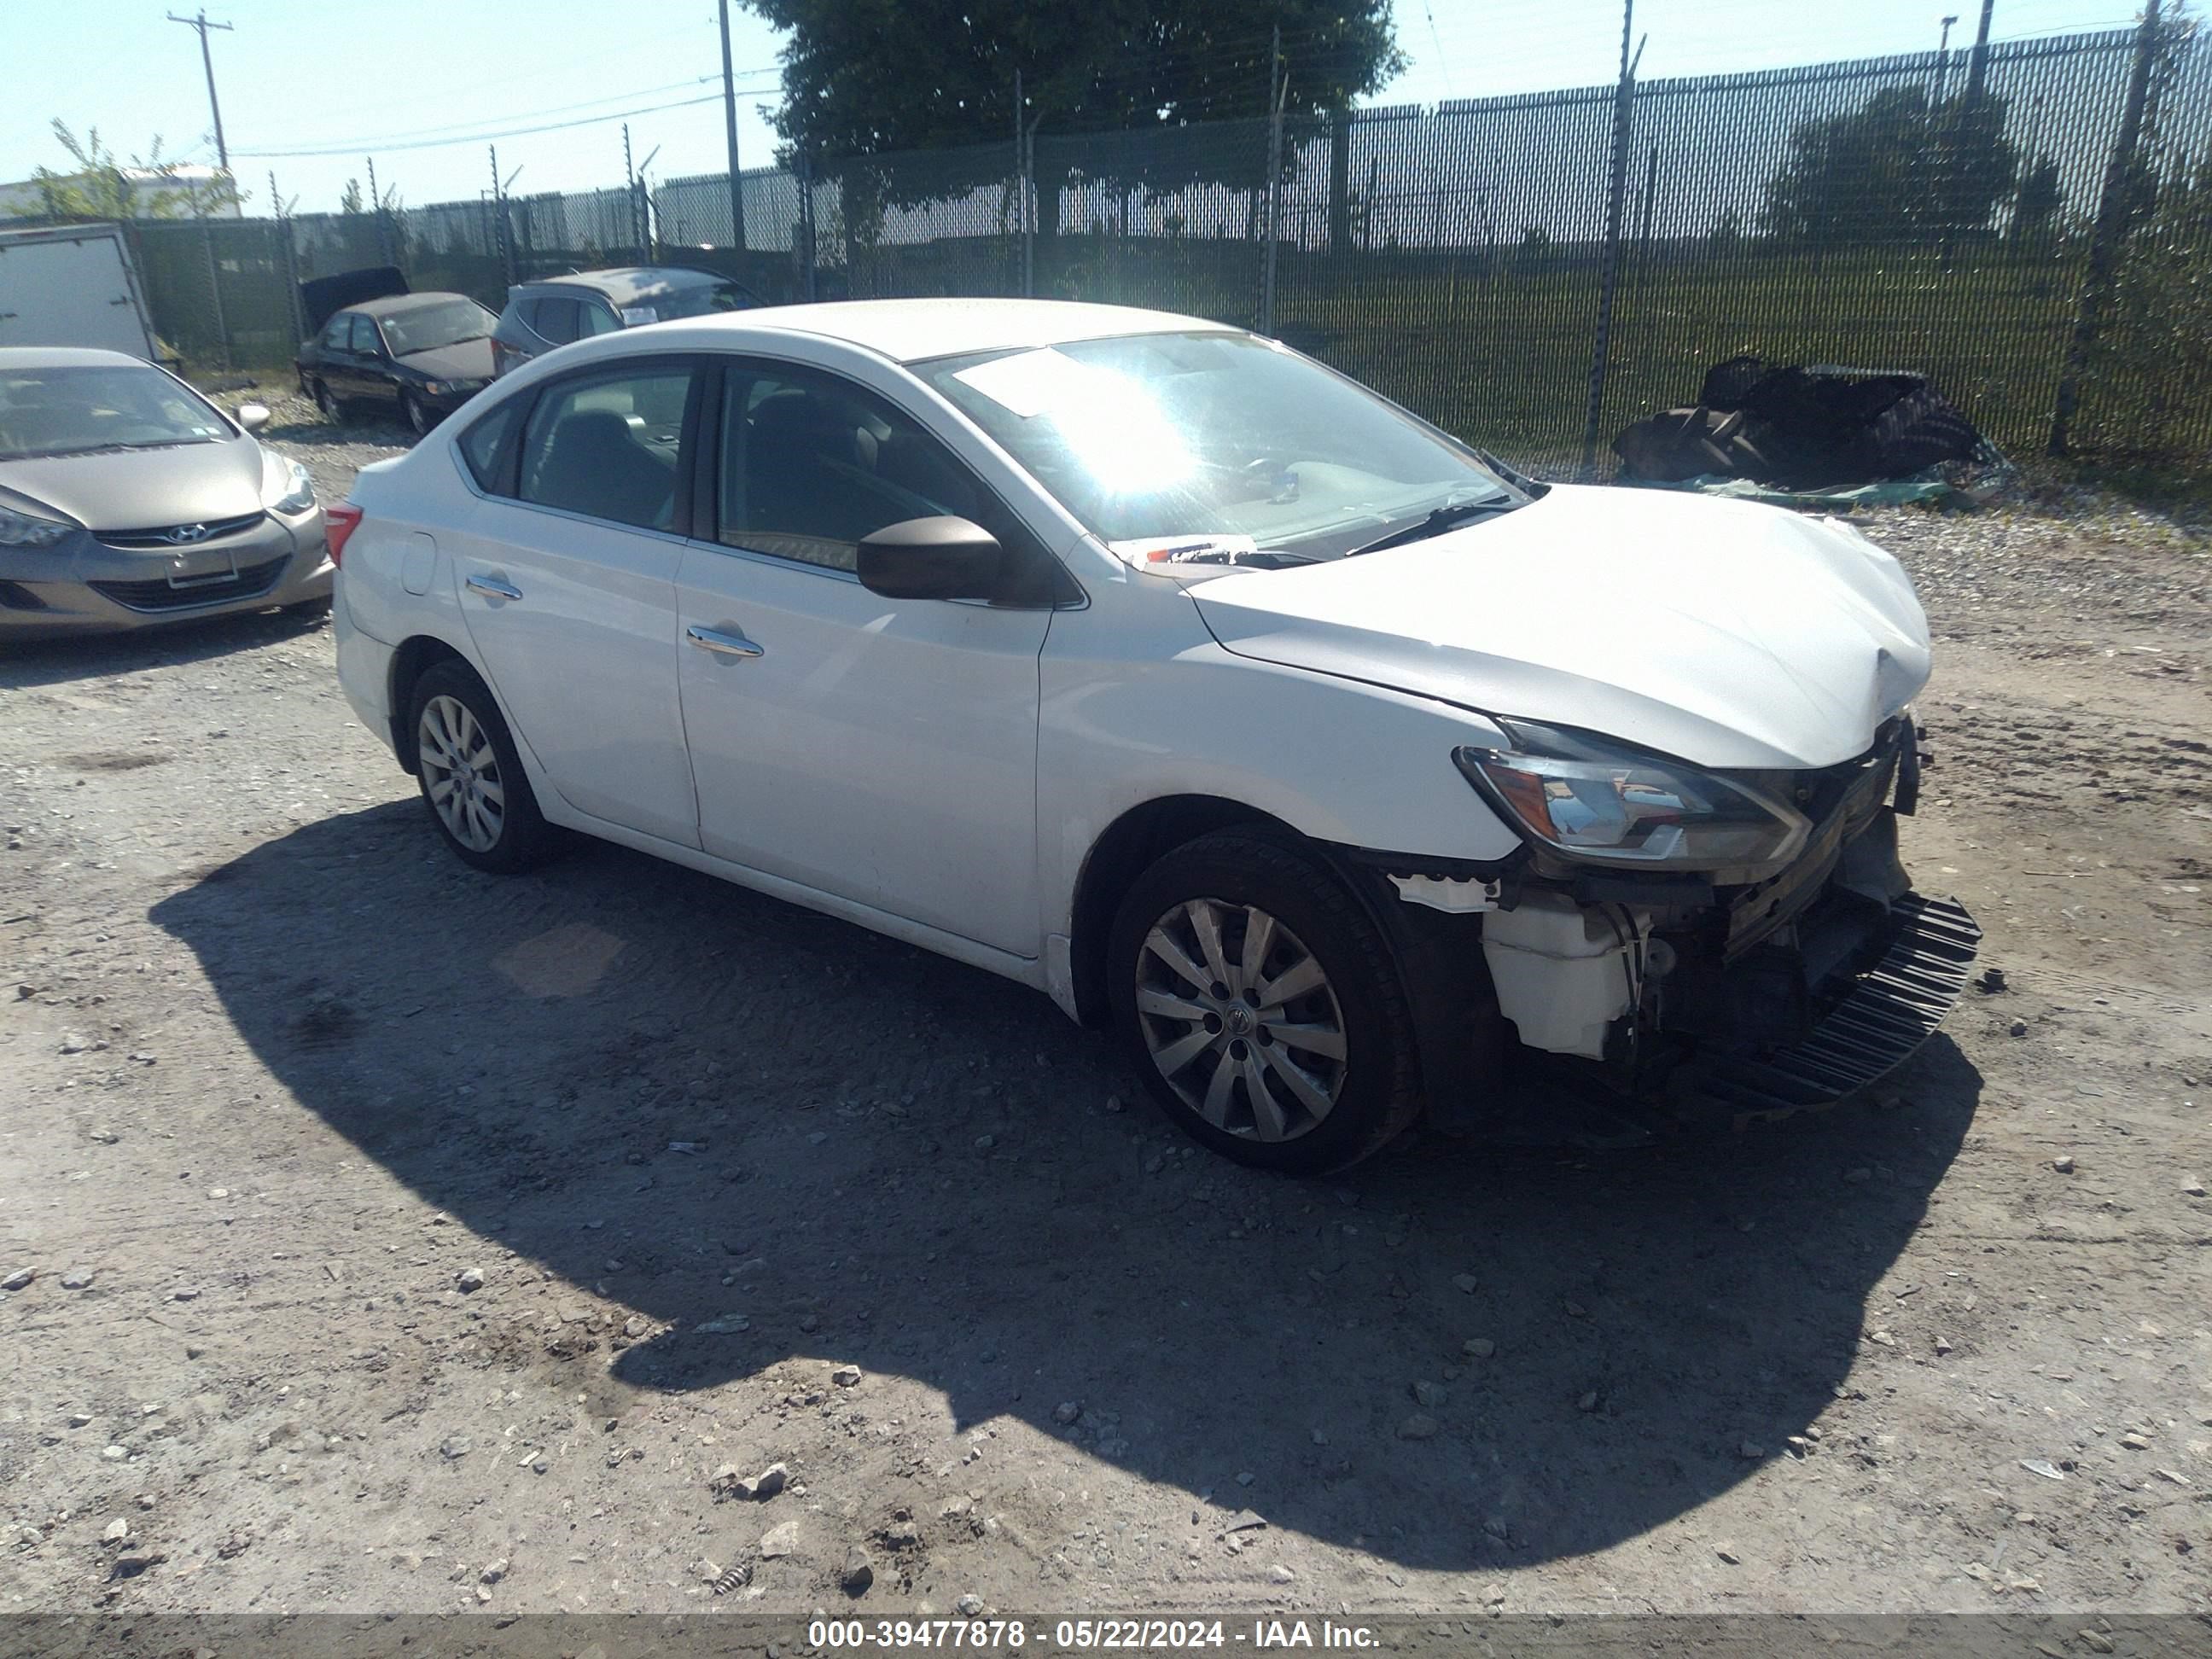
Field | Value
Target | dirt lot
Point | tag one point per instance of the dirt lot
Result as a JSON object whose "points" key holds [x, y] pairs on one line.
{"points": [[283, 1081]]}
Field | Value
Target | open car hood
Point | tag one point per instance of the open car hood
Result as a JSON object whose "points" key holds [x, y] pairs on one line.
{"points": [[1727, 635]]}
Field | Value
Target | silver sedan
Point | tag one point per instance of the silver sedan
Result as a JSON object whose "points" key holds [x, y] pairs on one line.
{"points": [[127, 500]]}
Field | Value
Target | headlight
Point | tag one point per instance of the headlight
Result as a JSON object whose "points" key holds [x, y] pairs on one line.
{"points": [[437, 388], [29, 530], [1591, 798], [285, 485]]}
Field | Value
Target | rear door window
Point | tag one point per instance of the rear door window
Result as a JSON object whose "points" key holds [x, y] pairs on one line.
{"points": [[610, 446], [487, 445], [555, 321]]}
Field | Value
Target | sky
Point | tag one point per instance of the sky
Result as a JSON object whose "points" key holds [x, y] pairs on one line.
{"points": [[419, 85]]}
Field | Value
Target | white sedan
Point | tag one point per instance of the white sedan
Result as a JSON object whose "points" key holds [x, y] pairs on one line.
{"points": [[1345, 773]]}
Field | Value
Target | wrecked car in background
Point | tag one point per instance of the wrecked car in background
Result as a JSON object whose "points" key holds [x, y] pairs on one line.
{"points": [[428, 354], [1154, 665], [1764, 430]]}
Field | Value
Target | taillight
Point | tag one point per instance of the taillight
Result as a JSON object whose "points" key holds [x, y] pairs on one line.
{"points": [[340, 520], [503, 356]]}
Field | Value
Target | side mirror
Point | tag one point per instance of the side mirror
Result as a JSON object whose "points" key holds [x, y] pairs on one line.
{"points": [[253, 416], [940, 558]]}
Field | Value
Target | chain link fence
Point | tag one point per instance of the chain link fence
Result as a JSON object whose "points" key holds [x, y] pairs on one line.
{"points": [[2029, 225]]}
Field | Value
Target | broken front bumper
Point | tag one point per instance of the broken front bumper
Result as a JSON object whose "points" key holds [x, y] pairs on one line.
{"points": [[1883, 1015]]}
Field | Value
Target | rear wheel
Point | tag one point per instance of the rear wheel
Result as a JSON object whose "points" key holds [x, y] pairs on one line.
{"points": [[326, 400], [471, 778], [1262, 1004]]}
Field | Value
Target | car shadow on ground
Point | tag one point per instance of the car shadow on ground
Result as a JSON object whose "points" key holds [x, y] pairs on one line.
{"points": [[702, 1102], [29, 663]]}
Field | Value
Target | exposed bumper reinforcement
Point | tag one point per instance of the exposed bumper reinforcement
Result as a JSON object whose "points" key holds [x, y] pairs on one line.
{"points": [[1891, 1009]]}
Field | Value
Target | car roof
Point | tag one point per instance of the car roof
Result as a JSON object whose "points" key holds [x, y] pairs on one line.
{"points": [[623, 283], [392, 304], [21, 357], [912, 330]]}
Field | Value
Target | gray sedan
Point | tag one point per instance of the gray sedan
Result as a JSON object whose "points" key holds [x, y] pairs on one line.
{"points": [[127, 499]]}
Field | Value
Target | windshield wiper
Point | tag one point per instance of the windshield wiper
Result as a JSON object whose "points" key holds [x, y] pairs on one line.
{"points": [[1439, 520]]}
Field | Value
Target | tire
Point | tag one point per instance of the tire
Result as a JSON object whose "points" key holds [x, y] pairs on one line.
{"points": [[1287, 1103], [418, 420], [327, 401], [494, 823]]}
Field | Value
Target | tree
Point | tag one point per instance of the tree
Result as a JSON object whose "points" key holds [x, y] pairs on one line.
{"points": [[1898, 169], [877, 77], [351, 199], [2036, 204], [104, 187]]}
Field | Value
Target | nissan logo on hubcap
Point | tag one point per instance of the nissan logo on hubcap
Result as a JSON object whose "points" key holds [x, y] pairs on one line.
{"points": [[184, 534]]}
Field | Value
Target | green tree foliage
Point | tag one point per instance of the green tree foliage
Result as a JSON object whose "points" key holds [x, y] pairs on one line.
{"points": [[102, 185], [2161, 312], [874, 77], [2037, 202], [1898, 169]]}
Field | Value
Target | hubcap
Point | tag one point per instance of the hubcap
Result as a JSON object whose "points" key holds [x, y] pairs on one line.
{"points": [[1240, 1020], [460, 773]]}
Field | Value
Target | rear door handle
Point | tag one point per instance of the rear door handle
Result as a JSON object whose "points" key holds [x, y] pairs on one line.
{"points": [[724, 645], [495, 588]]}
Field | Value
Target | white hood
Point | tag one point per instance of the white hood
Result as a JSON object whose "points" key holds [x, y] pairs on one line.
{"points": [[1727, 634]]}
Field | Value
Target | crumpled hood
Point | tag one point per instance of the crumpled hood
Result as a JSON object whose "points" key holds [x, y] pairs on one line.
{"points": [[1728, 633], [141, 489], [470, 360]]}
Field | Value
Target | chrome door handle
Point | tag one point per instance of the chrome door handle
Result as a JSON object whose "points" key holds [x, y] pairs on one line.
{"points": [[726, 645], [495, 588]]}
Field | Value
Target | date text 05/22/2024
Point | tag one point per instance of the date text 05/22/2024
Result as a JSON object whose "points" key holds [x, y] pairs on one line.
{"points": [[1088, 1635]]}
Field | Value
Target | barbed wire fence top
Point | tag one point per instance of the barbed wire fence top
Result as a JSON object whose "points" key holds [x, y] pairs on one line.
{"points": [[1999, 221]]}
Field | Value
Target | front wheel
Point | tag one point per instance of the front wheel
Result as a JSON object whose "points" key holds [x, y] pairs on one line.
{"points": [[418, 418], [1262, 1006], [472, 779]]}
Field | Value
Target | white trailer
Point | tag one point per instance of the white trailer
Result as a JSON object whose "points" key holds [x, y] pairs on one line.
{"points": [[72, 285]]}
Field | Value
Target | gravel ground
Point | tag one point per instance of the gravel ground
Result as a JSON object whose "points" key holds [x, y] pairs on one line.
{"points": [[379, 1237]]}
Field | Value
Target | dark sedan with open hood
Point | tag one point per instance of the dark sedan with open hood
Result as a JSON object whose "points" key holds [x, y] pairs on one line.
{"points": [[127, 499], [430, 353]]}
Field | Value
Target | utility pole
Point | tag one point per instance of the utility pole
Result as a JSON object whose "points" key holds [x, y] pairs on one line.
{"points": [[630, 186], [207, 62], [1977, 68], [1602, 348], [730, 133], [2117, 203], [376, 206], [1278, 86], [645, 211]]}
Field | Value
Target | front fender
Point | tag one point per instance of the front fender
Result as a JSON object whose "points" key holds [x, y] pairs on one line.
{"points": [[1339, 761]]}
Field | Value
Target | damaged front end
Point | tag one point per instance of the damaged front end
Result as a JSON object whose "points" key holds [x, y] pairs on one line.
{"points": [[1791, 965]]}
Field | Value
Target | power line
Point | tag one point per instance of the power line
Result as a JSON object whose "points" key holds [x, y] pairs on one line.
{"points": [[512, 132], [476, 128]]}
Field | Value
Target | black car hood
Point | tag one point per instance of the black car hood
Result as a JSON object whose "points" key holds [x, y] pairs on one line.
{"points": [[470, 360]]}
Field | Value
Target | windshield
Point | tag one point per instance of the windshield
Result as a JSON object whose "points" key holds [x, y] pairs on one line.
{"points": [[448, 323], [70, 411], [1224, 438], [697, 300]]}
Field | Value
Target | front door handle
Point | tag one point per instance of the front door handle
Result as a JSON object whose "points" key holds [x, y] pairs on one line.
{"points": [[495, 588], [724, 645]]}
